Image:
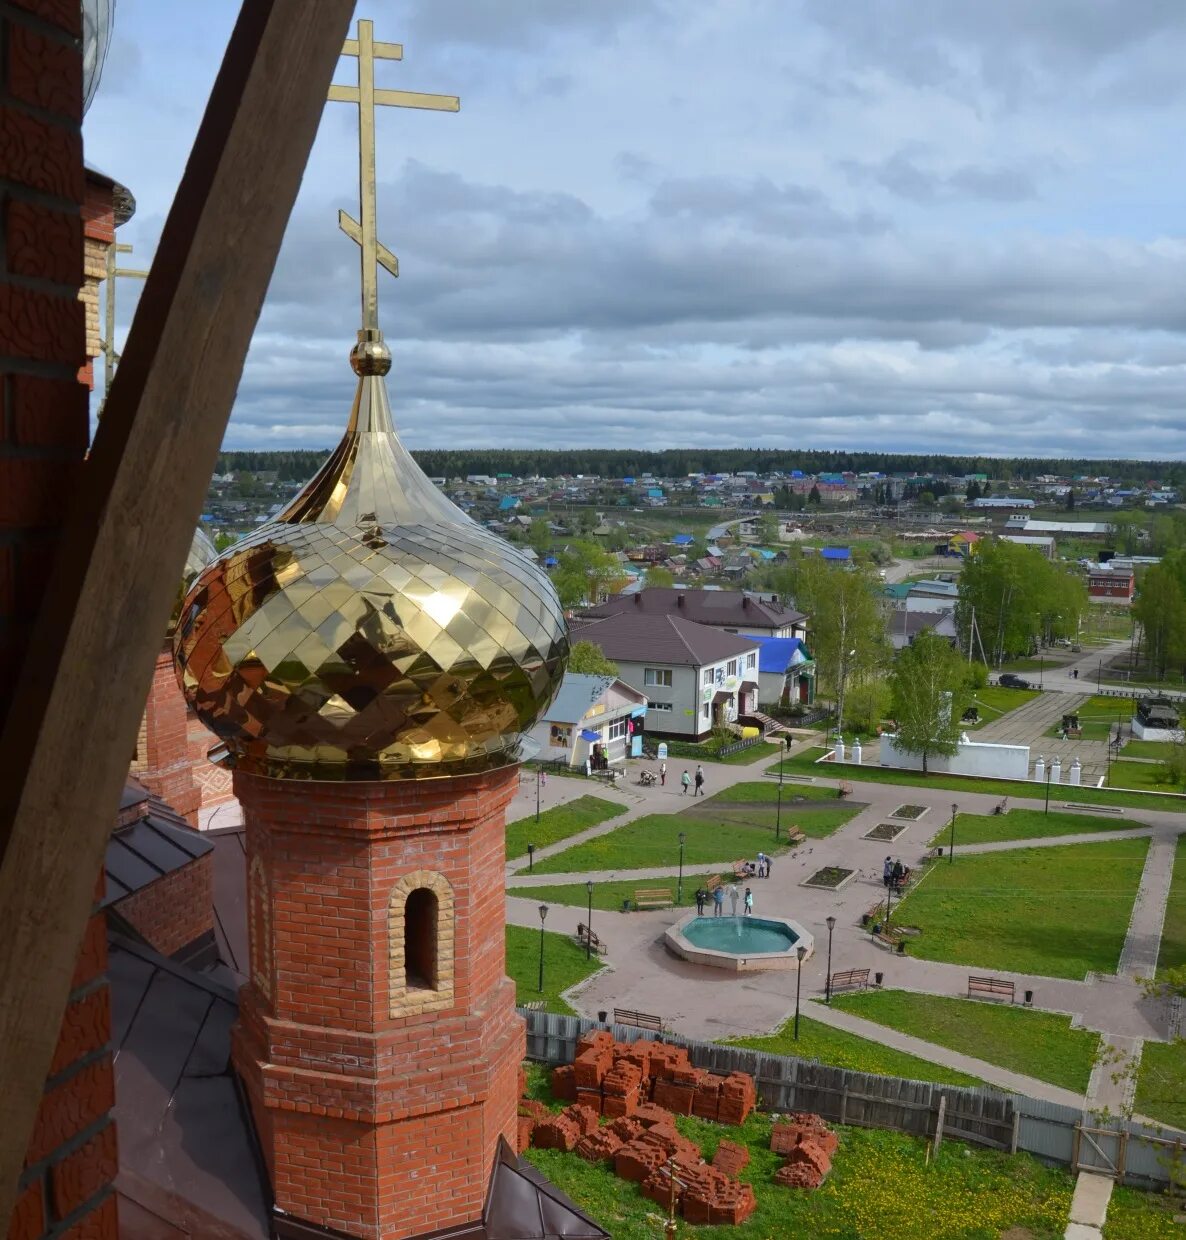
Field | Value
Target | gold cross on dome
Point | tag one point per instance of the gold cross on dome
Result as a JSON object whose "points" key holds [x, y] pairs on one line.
{"points": [[366, 96]]}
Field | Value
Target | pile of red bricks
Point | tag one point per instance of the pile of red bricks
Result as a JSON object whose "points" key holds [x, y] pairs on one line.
{"points": [[638, 1086], [616, 1078], [807, 1144]]}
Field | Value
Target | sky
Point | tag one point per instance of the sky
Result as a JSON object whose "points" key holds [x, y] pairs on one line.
{"points": [[871, 225]]}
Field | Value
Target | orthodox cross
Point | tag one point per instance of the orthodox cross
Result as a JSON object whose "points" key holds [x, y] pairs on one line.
{"points": [[366, 96], [107, 344]]}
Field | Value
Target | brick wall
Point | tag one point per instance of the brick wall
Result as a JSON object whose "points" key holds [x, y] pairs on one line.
{"points": [[177, 910], [374, 1123], [65, 1187], [162, 762]]}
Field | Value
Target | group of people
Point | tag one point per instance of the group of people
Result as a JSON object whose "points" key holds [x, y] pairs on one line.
{"points": [[759, 868], [718, 900], [893, 873]]}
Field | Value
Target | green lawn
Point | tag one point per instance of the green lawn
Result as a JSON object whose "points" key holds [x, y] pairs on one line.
{"points": [[766, 791], [654, 841], [1097, 716], [705, 751], [995, 701], [1024, 824], [1134, 1215], [564, 966], [815, 809], [1034, 664], [1058, 912], [1173, 932], [608, 897], [558, 824], [1157, 750], [841, 1049], [1037, 1044], [1141, 775], [1161, 1083], [804, 764], [882, 1186]]}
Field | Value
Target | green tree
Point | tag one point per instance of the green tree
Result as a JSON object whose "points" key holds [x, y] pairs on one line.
{"points": [[767, 529], [847, 630], [657, 575], [587, 657], [585, 574], [1160, 610], [1071, 499], [813, 496], [929, 685]]}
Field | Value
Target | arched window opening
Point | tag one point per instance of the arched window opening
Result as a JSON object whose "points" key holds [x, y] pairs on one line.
{"points": [[420, 940]]}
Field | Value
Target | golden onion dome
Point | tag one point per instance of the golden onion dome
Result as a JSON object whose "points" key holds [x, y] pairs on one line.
{"points": [[372, 630], [201, 555]]}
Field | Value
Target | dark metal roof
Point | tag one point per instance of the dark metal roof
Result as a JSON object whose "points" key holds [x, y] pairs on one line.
{"points": [[182, 1125], [663, 640], [157, 843], [724, 608]]}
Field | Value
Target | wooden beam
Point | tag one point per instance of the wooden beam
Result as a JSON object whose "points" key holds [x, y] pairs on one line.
{"points": [[73, 720]]}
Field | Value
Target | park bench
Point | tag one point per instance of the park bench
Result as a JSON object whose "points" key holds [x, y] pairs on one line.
{"points": [[640, 1020], [586, 937], [652, 897], [711, 883], [796, 835], [536, 1005], [996, 986], [1116, 810], [739, 870], [850, 978]]}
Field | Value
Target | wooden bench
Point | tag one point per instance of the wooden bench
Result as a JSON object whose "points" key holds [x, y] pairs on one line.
{"points": [[653, 897], [850, 978], [711, 883], [997, 986], [536, 1005], [796, 835], [585, 936], [640, 1020], [741, 873]]}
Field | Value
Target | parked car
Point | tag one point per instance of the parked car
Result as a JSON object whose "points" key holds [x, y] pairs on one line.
{"points": [[1010, 681]]}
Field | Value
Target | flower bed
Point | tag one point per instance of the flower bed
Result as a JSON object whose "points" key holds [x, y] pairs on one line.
{"points": [[888, 831], [912, 812], [831, 877]]}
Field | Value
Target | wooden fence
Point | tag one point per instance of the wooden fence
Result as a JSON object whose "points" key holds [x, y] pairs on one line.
{"points": [[987, 1117]]}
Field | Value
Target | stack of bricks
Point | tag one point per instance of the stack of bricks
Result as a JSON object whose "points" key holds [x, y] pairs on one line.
{"points": [[807, 1144], [640, 1087], [617, 1078]]}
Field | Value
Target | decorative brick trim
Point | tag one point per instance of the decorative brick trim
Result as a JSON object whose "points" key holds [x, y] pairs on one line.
{"points": [[259, 895], [413, 1000]]}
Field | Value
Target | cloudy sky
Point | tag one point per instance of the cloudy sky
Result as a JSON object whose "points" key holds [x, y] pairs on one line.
{"points": [[890, 224]]}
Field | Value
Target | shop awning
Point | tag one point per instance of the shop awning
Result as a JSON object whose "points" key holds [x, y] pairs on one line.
{"points": [[721, 696], [638, 712], [587, 734], [748, 684]]}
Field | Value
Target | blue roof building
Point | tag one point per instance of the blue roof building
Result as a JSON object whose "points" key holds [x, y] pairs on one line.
{"points": [[683, 540], [786, 670], [837, 554]]}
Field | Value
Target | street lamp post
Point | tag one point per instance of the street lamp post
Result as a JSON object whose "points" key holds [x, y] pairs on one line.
{"points": [[831, 923], [844, 658], [530, 858], [1099, 676], [889, 906], [801, 952], [1049, 772], [778, 811], [543, 916], [679, 890], [538, 781], [951, 846], [589, 923]]}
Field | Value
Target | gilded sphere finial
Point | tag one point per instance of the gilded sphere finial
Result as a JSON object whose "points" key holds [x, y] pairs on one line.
{"points": [[370, 356], [371, 631]]}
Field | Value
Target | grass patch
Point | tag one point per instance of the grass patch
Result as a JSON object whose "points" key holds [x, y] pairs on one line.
{"points": [[1141, 775], [766, 792], [1161, 1083], [805, 764], [1159, 751], [608, 897], [1057, 912], [707, 751], [881, 1184], [654, 841], [558, 823], [1024, 824], [1038, 1044], [564, 966], [840, 1049], [995, 701], [1173, 933], [1134, 1215]]}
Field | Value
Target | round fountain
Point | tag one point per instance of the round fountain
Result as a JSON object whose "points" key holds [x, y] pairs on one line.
{"points": [[742, 944]]}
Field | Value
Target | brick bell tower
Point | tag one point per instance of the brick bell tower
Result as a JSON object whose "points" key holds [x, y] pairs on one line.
{"points": [[370, 660]]}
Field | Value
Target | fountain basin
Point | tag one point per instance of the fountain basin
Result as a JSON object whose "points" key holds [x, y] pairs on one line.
{"points": [[739, 944]]}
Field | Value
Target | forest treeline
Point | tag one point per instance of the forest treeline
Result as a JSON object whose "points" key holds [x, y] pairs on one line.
{"points": [[678, 462]]}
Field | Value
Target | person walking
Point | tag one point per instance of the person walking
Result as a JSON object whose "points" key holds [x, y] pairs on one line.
{"points": [[734, 896], [699, 781], [1075, 674], [662, 774], [897, 874], [701, 899], [768, 864], [887, 871], [718, 902], [686, 780], [749, 902]]}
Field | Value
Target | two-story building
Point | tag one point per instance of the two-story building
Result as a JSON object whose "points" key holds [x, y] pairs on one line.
{"points": [[694, 677], [735, 611], [1109, 584], [592, 717]]}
